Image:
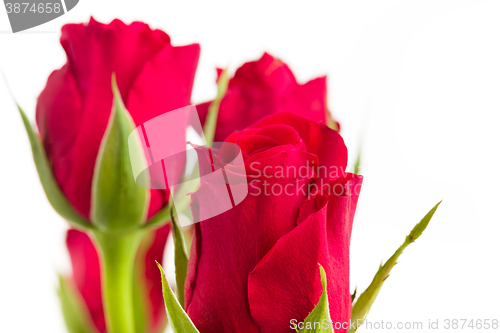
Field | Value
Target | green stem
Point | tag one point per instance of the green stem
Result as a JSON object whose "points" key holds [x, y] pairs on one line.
{"points": [[118, 252]]}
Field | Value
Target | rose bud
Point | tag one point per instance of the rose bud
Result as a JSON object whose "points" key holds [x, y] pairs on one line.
{"points": [[73, 111], [264, 87], [254, 268], [81, 155]]}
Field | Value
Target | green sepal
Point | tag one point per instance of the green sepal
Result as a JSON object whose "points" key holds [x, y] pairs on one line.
{"points": [[365, 301], [213, 109], [74, 311], [179, 320], [180, 259], [52, 190], [117, 202], [319, 321]]}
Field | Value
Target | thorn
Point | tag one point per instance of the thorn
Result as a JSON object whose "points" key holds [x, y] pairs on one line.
{"points": [[353, 296]]}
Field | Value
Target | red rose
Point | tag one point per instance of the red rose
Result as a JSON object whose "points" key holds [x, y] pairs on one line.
{"points": [[72, 114], [255, 267], [263, 87], [73, 110]]}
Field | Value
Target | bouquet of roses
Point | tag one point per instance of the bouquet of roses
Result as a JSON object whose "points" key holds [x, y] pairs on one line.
{"points": [[252, 186]]}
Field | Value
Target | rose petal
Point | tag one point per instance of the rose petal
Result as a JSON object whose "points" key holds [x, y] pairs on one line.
{"points": [[159, 94], [86, 274], [54, 120], [264, 87], [285, 135], [225, 250], [286, 283], [74, 108], [251, 143], [319, 139], [154, 295]]}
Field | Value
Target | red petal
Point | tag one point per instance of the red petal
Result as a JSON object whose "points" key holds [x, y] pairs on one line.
{"points": [[319, 139], [74, 108], [152, 276], [264, 87], [152, 94], [57, 128], [286, 284], [285, 135], [225, 250], [251, 143], [86, 274]]}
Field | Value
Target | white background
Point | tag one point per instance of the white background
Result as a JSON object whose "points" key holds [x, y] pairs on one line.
{"points": [[420, 79]]}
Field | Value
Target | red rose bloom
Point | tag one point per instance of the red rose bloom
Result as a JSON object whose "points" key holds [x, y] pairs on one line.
{"points": [[264, 87], [73, 110], [72, 114], [255, 267]]}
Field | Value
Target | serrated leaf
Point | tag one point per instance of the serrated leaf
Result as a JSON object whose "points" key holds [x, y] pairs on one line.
{"points": [[74, 310], [52, 190], [180, 258], [318, 321], [117, 202], [180, 321], [365, 301], [213, 109]]}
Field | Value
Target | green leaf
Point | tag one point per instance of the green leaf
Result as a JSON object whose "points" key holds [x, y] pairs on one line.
{"points": [[181, 258], [179, 319], [54, 194], [213, 109], [117, 202], [365, 301], [319, 318], [357, 165], [330, 122], [74, 310]]}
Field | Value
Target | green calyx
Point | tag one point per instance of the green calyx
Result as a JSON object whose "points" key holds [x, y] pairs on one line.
{"points": [[117, 202]]}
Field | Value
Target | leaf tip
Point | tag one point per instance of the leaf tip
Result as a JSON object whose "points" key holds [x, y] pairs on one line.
{"points": [[422, 225]]}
